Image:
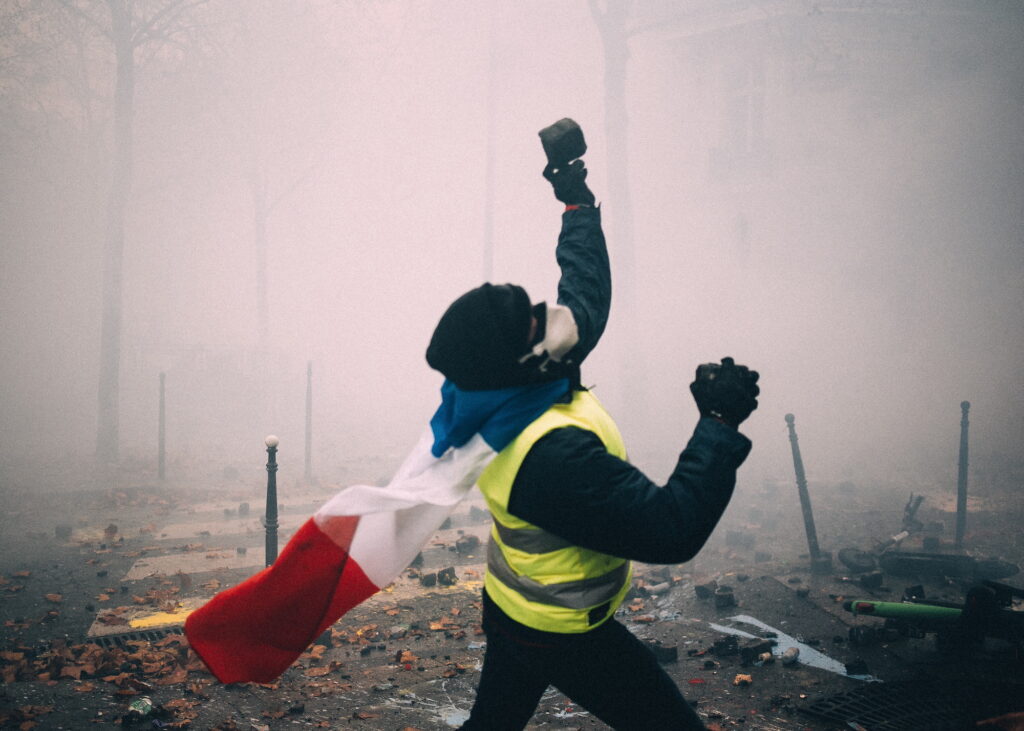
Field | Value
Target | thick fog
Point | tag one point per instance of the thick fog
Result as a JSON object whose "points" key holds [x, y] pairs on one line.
{"points": [[830, 192]]}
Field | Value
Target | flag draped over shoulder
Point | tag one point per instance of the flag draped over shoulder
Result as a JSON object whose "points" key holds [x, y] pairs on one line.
{"points": [[361, 539]]}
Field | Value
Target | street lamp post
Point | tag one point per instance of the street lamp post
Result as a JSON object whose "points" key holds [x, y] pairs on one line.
{"points": [[270, 520]]}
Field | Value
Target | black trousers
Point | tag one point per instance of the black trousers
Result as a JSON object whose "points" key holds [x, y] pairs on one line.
{"points": [[607, 671]]}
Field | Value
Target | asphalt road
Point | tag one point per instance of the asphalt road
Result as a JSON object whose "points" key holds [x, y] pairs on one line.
{"points": [[139, 557]]}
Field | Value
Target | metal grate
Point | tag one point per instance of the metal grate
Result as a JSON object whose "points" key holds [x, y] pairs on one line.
{"points": [[119, 640], [917, 706]]}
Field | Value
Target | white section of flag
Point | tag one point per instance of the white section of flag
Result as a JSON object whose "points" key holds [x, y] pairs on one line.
{"points": [[398, 519]]}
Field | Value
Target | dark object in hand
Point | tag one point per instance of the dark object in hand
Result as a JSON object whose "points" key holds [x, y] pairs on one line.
{"points": [[563, 145], [726, 391], [563, 142]]}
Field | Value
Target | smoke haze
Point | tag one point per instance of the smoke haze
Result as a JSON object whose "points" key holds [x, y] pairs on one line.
{"points": [[829, 192]]}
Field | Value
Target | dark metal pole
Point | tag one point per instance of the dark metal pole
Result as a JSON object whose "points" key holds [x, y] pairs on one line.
{"points": [[161, 458], [270, 521], [309, 422], [961, 482], [819, 561]]}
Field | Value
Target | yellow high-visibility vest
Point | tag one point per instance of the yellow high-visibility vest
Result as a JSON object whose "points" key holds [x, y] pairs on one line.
{"points": [[536, 577]]}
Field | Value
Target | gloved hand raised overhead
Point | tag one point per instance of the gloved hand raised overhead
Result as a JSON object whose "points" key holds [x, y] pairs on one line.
{"points": [[563, 145], [570, 183], [727, 392]]}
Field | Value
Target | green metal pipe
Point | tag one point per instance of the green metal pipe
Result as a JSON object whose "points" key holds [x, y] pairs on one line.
{"points": [[903, 610]]}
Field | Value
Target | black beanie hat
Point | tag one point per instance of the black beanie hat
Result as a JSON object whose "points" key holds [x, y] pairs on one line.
{"points": [[480, 338]]}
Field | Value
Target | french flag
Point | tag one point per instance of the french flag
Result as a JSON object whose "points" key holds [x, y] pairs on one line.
{"points": [[361, 539]]}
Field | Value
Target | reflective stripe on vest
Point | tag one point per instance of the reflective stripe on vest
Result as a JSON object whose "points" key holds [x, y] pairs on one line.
{"points": [[535, 577], [529, 540], [581, 594]]}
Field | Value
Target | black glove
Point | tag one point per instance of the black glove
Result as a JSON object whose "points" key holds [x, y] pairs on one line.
{"points": [[570, 183], [727, 392]]}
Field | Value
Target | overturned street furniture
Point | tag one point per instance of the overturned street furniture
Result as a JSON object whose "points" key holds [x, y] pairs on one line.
{"points": [[906, 563], [986, 612]]}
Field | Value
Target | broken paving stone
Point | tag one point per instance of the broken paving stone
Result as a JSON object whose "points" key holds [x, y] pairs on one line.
{"points": [[428, 579], [913, 592], [663, 653], [753, 649], [724, 597], [857, 667], [705, 589], [726, 646], [467, 543], [447, 577]]}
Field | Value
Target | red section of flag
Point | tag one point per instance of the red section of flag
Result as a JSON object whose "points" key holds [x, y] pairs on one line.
{"points": [[256, 630]]}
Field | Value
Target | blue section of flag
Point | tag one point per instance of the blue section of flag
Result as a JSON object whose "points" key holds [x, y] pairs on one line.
{"points": [[498, 415]]}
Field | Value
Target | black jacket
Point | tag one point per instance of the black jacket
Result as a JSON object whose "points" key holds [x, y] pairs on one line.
{"points": [[571, 486]]}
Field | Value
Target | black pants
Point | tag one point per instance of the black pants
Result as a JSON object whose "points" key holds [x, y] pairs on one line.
{"points": [[607, 671]]}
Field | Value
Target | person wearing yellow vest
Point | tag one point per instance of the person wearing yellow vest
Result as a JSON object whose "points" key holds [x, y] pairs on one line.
{"points": [[569, 510]]}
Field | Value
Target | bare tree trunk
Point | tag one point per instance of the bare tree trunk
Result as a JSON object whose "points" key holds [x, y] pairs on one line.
{"points": [[615, 38], [260, 214], [491, 141], [108, 417]]}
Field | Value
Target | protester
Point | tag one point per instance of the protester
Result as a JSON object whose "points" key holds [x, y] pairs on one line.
{"points": [[569, 511]]}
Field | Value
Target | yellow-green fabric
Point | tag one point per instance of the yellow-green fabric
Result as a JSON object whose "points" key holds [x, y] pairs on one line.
{"points": [[556, 581]]}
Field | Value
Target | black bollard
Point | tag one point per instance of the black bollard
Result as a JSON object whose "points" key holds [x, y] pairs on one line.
{"points": [[309, 422], [821, 562], [270, 520], [961, 481], [161, 455]]}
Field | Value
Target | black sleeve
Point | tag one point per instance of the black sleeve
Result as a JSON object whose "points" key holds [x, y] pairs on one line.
{"points": [[571, 486], [585, 286]]}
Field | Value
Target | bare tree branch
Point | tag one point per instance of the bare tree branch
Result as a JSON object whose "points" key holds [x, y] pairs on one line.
{"points": [[159, 22], [71, 7]]}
